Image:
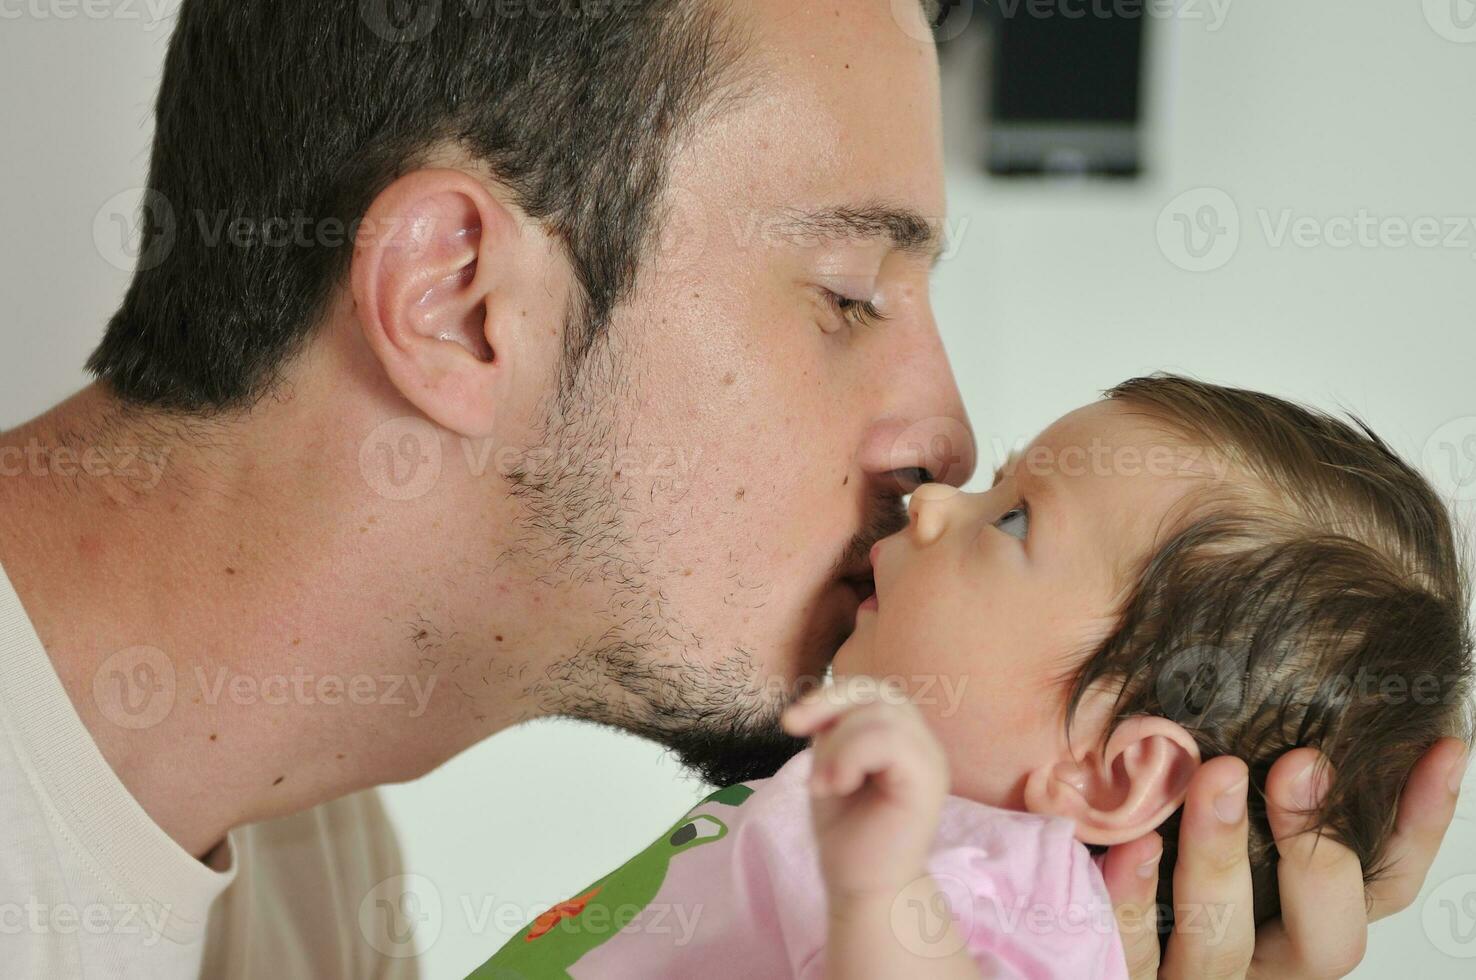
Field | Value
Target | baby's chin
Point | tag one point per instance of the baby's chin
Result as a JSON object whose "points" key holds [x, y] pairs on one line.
{"points": [[855, 655]]}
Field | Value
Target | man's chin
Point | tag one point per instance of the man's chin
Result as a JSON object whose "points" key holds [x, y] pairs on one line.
{"points": [[724, 757], [826, 636], [748, 742]]}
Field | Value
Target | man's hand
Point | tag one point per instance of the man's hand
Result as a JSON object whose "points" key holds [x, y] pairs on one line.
{"points": [[1323, 927], [877, 787]]}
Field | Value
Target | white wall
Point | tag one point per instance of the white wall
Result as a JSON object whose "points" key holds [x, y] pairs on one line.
{"points": [[1325, 107]]}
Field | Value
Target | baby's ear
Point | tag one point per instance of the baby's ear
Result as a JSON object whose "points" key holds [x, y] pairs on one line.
{"points": [[1129, 787]]}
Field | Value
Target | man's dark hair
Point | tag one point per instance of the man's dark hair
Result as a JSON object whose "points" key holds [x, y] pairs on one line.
{"points": [[1314, 596], [295, 114]]}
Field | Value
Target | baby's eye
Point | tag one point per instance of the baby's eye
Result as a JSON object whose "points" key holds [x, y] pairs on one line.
{"points": [[1015, 522]]}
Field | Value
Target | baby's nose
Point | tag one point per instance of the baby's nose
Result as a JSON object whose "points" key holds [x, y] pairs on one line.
{"points": [[929, 510]]}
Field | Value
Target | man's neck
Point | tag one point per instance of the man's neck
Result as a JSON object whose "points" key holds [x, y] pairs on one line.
{"points": [[234, 632]]}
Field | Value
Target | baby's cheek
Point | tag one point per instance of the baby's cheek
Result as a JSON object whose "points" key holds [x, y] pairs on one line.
{"points": [[917, 643], [940, 611], [993, 739]]}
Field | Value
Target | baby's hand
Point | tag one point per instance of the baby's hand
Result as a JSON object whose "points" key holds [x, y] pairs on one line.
{"points": [[878, 785]]}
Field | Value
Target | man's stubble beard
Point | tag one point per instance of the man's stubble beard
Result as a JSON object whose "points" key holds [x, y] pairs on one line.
{"points": [[645, 671]]}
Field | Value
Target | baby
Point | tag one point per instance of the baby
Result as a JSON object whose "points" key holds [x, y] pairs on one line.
{"points": [[1178, 572]]}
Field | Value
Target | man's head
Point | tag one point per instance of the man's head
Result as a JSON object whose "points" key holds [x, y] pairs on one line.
{"points": [[654, 271]]}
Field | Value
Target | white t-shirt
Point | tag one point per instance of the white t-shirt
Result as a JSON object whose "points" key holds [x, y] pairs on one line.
{"points": [[91, 887]]}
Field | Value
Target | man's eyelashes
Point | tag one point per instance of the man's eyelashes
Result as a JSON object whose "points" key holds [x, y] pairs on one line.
{"points": [[853, 312]]}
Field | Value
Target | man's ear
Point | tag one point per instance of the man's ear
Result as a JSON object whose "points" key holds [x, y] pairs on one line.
{"points": [[429, 280], [1136, 781]]}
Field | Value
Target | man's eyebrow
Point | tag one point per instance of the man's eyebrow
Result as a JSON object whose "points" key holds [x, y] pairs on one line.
{"points": [[901, 227]]}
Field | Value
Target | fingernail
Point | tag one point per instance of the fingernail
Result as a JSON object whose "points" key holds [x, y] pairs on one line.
{"points": [[1149, 868], [1310, 788], [1458, 771], [1230, 805]]}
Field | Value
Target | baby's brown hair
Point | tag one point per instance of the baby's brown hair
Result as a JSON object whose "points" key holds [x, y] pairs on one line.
{"points": [[1313, 595]]}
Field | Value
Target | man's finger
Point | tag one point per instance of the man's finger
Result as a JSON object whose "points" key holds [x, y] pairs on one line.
{"points": [[1323, 930], [1131, 873], [1214, 922], [1426, 808]]}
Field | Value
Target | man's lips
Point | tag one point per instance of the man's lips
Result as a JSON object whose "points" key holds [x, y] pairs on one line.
{"points": [[869, 601], [863, 585], [862, 580]]}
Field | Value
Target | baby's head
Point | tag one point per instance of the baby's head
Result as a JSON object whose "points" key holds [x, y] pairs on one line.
{"points": [[1178, 572]]}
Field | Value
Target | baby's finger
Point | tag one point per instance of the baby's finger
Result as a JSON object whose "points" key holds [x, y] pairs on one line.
{"points": [[820, 708], [829, 741], [870, 747]]}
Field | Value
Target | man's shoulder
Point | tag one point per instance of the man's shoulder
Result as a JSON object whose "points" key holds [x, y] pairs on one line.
{"points": [[324, 889], [356, 824]]}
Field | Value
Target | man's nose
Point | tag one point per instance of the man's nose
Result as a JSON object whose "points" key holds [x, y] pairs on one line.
{"points": [[924, 435], [939, 449]]}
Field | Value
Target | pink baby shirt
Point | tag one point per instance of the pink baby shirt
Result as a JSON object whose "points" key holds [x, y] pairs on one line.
{"points": [[738, 893]]}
